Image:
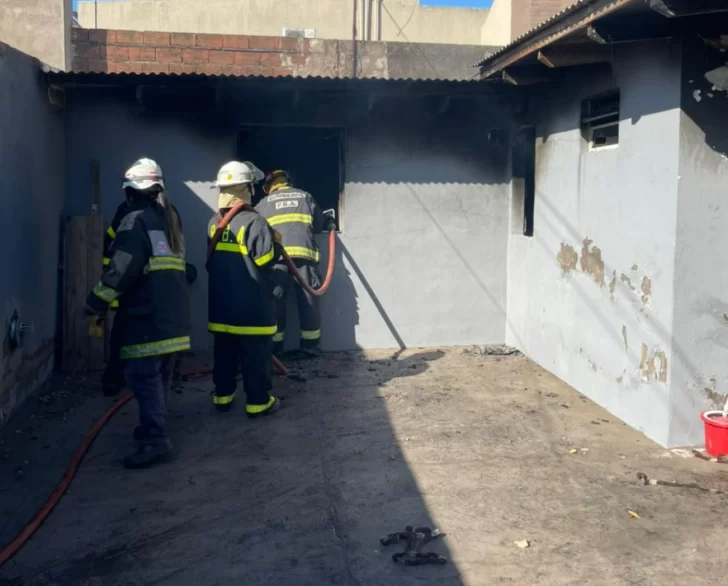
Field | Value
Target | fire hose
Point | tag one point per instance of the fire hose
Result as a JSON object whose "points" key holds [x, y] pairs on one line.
{"points": [[32, 526]]}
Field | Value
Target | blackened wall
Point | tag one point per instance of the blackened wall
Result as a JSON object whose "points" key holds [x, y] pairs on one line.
{"points": [[421, 260]]}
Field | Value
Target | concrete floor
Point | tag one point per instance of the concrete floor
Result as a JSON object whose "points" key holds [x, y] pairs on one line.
{"points": [[478, 446]]}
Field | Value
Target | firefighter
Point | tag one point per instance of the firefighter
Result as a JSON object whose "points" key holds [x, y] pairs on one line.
{"points": [[112, 380], [296, 216], [241, 311], [146, 273]]}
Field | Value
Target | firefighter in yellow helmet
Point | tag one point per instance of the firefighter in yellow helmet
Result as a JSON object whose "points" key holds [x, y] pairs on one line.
{"points": [[295, 214], [240, 303], [146, 273]]}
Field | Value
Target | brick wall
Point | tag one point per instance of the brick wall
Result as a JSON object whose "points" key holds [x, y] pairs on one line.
{"points": [[108, 51]]}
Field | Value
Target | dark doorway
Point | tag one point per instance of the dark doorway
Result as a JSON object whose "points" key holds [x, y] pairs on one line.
{"points": [[313, 157], [524, 177]]}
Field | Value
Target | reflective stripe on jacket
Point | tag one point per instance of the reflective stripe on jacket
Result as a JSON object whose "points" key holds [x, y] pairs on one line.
{"points": [[148, 280], [296, 216], [109, 237], [240, 291]]}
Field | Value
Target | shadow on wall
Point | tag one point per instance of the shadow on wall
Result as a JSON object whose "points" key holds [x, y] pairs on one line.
{"points": [[424, 219]]}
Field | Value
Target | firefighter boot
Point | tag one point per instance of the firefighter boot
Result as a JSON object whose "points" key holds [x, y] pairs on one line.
{"points": [[254, 411], [149, 453]]}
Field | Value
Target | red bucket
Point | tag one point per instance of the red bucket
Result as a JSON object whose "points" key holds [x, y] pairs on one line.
{"points": [[716, 433]]}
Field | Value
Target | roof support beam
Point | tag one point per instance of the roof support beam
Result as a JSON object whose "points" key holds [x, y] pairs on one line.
{"points": [[678, 8], [569, 55], [530, 75]]}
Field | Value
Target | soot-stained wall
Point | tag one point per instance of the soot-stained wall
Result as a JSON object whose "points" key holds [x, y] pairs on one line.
{"points": [[421, 260]]}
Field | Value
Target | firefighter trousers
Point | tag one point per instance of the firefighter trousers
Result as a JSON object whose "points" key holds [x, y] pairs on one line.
{"points": [[250, 355], [308, 305], [149, 379]]}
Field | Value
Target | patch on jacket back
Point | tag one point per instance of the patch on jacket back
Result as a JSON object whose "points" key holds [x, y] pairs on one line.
{"points": [[160, 246], [294, 195], [280, 205]]}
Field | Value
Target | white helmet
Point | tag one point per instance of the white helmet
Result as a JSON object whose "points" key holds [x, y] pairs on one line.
{"points": [[144, 174], [237, 173]]}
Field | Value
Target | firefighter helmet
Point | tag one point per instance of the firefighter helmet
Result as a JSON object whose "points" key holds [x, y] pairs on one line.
{"points": [[237, 173], [273, 176], [143, 174]]}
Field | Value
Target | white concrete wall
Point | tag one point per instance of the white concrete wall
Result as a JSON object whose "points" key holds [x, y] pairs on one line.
{"points": [[40, 28], [605, 224], [497, 28], [31, 200], [699, 377], [397, 20], [422, 258]]}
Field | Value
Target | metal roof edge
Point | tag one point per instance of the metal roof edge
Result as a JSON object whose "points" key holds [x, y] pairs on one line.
{"points": [[592, 10], [59, 74]]}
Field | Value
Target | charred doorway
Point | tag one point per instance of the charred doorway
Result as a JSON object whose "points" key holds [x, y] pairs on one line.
{"points": [[312, 156]]}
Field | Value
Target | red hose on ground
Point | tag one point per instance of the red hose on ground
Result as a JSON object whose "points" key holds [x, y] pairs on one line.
{"points": [[12, 548]]}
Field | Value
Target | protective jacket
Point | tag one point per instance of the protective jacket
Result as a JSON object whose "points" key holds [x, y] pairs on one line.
{"points": [[240, 292], [149, 281], [109, 237], [295, 214]]}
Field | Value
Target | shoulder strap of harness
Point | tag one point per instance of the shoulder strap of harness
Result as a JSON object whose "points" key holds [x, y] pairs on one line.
{"points": [[224, 223]]}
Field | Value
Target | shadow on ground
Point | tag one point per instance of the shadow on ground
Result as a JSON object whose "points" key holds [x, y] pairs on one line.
{"points": [[300, 498], [489, 449]]}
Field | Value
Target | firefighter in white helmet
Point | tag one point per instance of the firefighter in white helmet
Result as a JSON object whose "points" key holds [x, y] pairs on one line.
{"points": [[146, 273], [241, 312]]}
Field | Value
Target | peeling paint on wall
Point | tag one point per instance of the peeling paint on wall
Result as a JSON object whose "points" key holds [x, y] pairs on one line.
{"points": [[567, 258], [627, 281], [624, 337], [612, 286], [716, 398], [653, 365], [591, 261], [646, 290]]}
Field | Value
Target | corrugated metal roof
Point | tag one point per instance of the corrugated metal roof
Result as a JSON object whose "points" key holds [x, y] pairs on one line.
{"points": [[128, 75], [535, 30]]}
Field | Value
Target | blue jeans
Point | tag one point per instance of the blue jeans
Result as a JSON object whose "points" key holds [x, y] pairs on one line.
{"points": [[149, 379]]}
